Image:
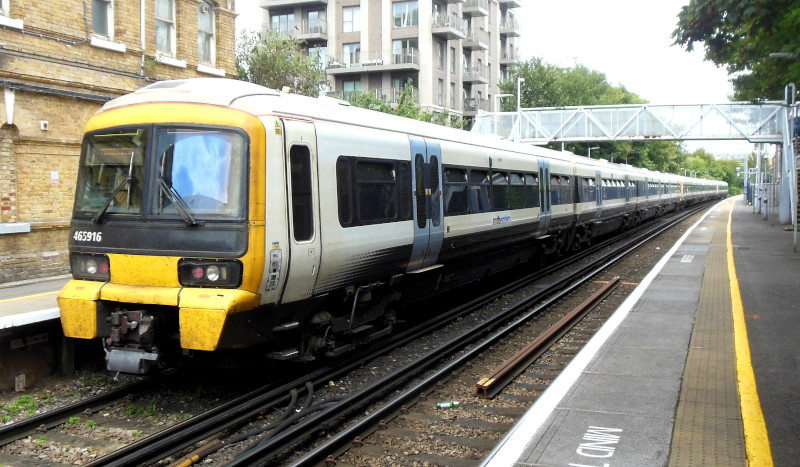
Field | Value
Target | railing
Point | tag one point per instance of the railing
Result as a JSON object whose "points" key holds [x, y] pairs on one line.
{"points": [[508, 54], [389, 96], [474, 104], [293, 28], [477, 4], [473, 73], [509, 26], [449, 21], [317, 26], [477, 36], [406, 56]]}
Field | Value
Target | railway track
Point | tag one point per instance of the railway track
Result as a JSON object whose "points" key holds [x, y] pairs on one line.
{"points": [[458, 358], [250, 429]]}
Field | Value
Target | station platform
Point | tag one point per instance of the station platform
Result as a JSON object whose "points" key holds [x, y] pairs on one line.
{"points": [[29, 302], [699, 366]]}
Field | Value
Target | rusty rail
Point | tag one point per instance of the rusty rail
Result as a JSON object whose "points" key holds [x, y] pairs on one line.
{"points": [[489, 386]]}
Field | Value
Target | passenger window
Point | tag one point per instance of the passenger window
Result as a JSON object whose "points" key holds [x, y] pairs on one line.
{"points": [[499, 191], [479, 191], [404, 181], [344, 190], [516, 191], [376, 191], [531, 190], [455, 191], [588, 193], [302, 205], [419, 191], [435, 194], [555, 190], [566, 190]]}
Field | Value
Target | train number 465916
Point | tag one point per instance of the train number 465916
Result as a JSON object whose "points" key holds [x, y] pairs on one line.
{"points": [[84, 236]]}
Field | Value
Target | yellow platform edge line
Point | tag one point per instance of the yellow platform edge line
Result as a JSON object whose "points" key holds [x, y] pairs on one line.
{"points": [[756, 438], [29, 296]]}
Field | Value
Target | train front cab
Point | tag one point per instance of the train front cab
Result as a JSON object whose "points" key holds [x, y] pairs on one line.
{"points": [[149, 265]]}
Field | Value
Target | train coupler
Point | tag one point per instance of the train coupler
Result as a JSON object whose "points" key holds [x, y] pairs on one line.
{"points": [[130, 347], [135, 361]]}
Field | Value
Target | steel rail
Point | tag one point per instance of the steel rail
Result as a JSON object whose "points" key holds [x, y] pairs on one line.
{"points": [[57, 416]]}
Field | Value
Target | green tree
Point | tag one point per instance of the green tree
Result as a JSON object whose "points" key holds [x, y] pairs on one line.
{"points": [[405, 107], [740, 35], [275, 60]]}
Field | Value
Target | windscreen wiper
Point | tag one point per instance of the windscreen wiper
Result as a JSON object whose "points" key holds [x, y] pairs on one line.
{"points": [[98, 216], [177, 200]]}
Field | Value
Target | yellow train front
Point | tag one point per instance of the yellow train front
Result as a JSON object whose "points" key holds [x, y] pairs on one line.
{"points": [[167, 236]]}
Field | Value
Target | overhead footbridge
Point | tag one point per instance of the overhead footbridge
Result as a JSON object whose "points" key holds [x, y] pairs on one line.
{"points": [[764, 122]]}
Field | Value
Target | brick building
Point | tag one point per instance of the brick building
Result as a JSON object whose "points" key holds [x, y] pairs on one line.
{"points": [[60, 60]]}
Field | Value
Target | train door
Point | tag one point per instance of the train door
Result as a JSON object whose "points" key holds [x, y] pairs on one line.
{"points": [[303, 213], [545, 203], [428, 209]]}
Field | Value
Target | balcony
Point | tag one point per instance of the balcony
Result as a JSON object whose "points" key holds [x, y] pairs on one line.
{"points": [[476, 75], [396, 60], [388, 96], [510, 3], [449, 27], [312, 31], [472, 105], [475, 8], [455, 2], [508, 57], [477, 39], [343, 64], [278, 4], [509, 28]]}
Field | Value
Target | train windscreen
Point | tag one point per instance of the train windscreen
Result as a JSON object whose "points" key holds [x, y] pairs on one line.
{"points": [[188, 173]]}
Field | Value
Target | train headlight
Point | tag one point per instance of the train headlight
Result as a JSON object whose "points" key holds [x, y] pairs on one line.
{"points": [[213, 273], [90, 267], [210, 273]]}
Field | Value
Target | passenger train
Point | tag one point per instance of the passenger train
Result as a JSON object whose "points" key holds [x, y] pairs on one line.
{"points": [[215, 215]]}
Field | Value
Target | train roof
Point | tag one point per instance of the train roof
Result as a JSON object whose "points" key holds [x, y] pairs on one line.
{"points": [[259, 100]]}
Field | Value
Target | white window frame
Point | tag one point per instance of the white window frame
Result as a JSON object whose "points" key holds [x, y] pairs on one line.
{"points": [[405, 14], [211, 35], [351, 18], [5, 16], [351, 53], [109, 19], [171, 23], [282, 23]]}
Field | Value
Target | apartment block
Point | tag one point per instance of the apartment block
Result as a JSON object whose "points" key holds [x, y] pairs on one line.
{"points": [[454, 52], [60, 60]]}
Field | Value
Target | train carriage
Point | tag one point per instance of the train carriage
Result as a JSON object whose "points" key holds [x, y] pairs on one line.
{"points": [[213, 216]]}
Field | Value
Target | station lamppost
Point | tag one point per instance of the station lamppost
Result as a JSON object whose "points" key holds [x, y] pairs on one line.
{"points": [[519, 106], [590, 150]]}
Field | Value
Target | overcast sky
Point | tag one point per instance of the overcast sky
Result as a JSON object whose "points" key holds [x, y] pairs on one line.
{"points": [[628, 40]]}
